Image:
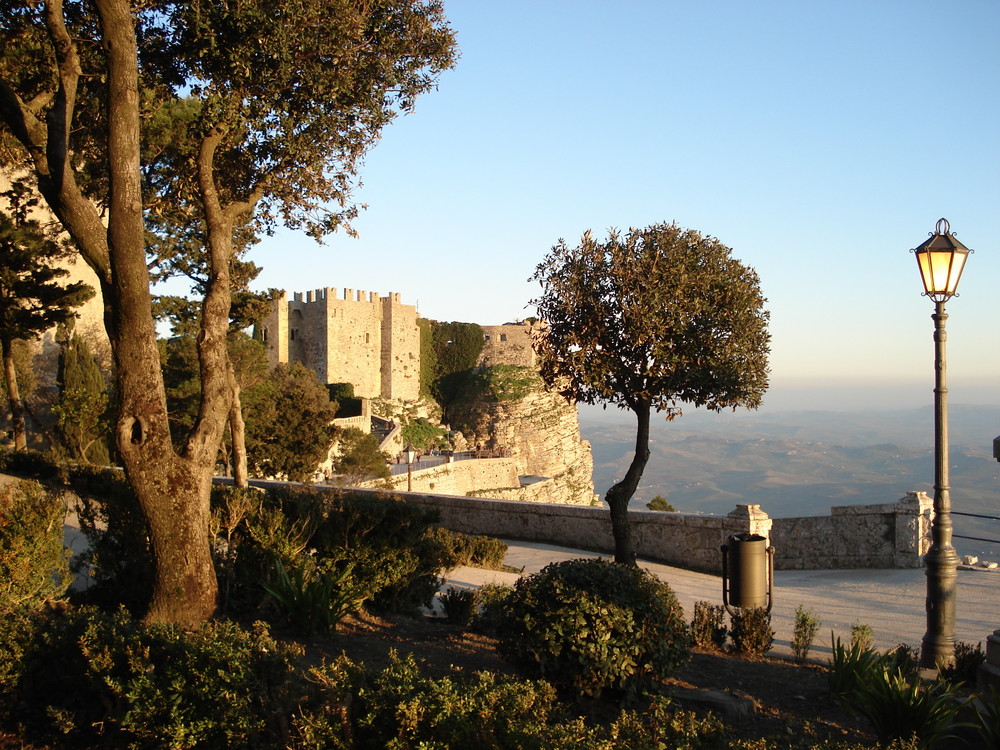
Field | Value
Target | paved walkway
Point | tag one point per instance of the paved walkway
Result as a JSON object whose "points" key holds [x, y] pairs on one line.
{"points": [[890, 601]]}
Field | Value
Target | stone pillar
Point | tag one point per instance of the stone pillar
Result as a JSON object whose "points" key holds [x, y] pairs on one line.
{"points": [[913, 529], [989, 671], [747, 519]]}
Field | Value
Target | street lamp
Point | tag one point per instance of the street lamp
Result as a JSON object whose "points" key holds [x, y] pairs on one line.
{"points": [[410, 453], [941, 260]]}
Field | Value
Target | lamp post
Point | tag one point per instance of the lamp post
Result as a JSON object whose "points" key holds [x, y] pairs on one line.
{"points": [[410, 452], [941, 260]]}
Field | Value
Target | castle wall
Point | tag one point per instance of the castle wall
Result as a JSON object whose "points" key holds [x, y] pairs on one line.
{"points": [[509, 344], [369, 341], [400, 350]]}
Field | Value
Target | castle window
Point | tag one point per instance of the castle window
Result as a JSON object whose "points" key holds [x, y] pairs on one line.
{"points": [[487, 337], [503, 336], [367, 338], [291, 335], [263, 335]]}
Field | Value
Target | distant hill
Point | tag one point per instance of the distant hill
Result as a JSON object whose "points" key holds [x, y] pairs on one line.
{"points": [[802, 463]]}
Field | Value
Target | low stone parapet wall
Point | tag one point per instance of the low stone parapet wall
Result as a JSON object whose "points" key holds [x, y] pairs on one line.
{"points": [[892, 535], [684, 540]]}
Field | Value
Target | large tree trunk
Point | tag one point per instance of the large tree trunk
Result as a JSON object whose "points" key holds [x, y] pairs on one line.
{"points": [[173, 491], [14, 398], [621, 492], [238, 430]]}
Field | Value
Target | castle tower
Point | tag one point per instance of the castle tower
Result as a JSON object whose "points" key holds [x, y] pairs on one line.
{"points": [[369, 341]]}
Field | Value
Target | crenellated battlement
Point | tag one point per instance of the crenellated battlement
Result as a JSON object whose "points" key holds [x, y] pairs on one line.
{"points": [[358, 337]]}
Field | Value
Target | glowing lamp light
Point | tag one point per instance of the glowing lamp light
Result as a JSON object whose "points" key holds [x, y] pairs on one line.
{"points": [[941, 260]]}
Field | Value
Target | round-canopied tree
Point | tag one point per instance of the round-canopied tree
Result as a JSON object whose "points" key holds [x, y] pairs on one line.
{"points": [[650, 319]]}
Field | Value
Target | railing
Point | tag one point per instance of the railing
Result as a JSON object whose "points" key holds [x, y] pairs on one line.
{"points": [[976, 538]]}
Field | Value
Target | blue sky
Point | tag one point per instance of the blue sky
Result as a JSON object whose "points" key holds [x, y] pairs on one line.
{"points": [[819, 140]]}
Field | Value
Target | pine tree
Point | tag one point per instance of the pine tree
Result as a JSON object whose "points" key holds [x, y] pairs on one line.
{"points": [[31, 299], [82, 409]]}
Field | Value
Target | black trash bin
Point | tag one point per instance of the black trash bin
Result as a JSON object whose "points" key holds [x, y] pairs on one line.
{"points": [[747, 572]]}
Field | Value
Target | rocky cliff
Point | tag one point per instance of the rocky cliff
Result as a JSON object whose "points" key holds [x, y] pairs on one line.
{"points": [[508, 412]]}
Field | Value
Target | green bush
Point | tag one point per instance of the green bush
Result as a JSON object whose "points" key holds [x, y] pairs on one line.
{"points": [[34, 564], [862, 635], [661, 504], [88, 678], [965, 668], [591, 625], [708, 628], [751, 632], [491, 607], [987, 722], [897, 702], [316, 595], [459, 605], [804, 632], [28, 463], [119, 557]]}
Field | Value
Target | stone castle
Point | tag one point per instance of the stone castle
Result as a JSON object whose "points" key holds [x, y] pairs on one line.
{"points": [[370, 341]]}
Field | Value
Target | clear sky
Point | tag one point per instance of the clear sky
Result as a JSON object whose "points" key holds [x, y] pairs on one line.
{"points": [[819, 140]]}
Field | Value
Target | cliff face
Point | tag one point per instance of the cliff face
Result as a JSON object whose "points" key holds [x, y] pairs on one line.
{"points": [[509, 412]]}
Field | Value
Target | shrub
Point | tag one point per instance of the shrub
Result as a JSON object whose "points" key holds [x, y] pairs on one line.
{"points": [[317, 594], [88, 678], [459, 605], [750, 629], [862, 635], [590, 625], [899, 705], [491, 607], [660, 503], [708, 629], [987, 722], [964, 669], [28, 463], [34, 564], [118, 558], [804, 632]]}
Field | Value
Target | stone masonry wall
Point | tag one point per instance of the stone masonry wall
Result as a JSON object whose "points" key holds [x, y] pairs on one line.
{"points": [[893, 535], [369, 341], [509, 344]]}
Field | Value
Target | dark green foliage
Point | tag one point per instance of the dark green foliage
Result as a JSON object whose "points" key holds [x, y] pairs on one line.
{"points": [[316, 595], [31, 464], [897, 702], [342, 394], [424, 435], [91, 678], [751, 632], [459, 605], [288, 430], [491, 608], [708, 629], [988, 718], [428, 359], [32, 297], [83, 405], [119, 557], [457, 347], [968, 657], [464, 549], [33, 562], [660, 503], [590, 625]]}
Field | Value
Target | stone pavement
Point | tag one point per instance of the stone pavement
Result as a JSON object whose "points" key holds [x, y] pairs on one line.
{"points": [[890, 601]]}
